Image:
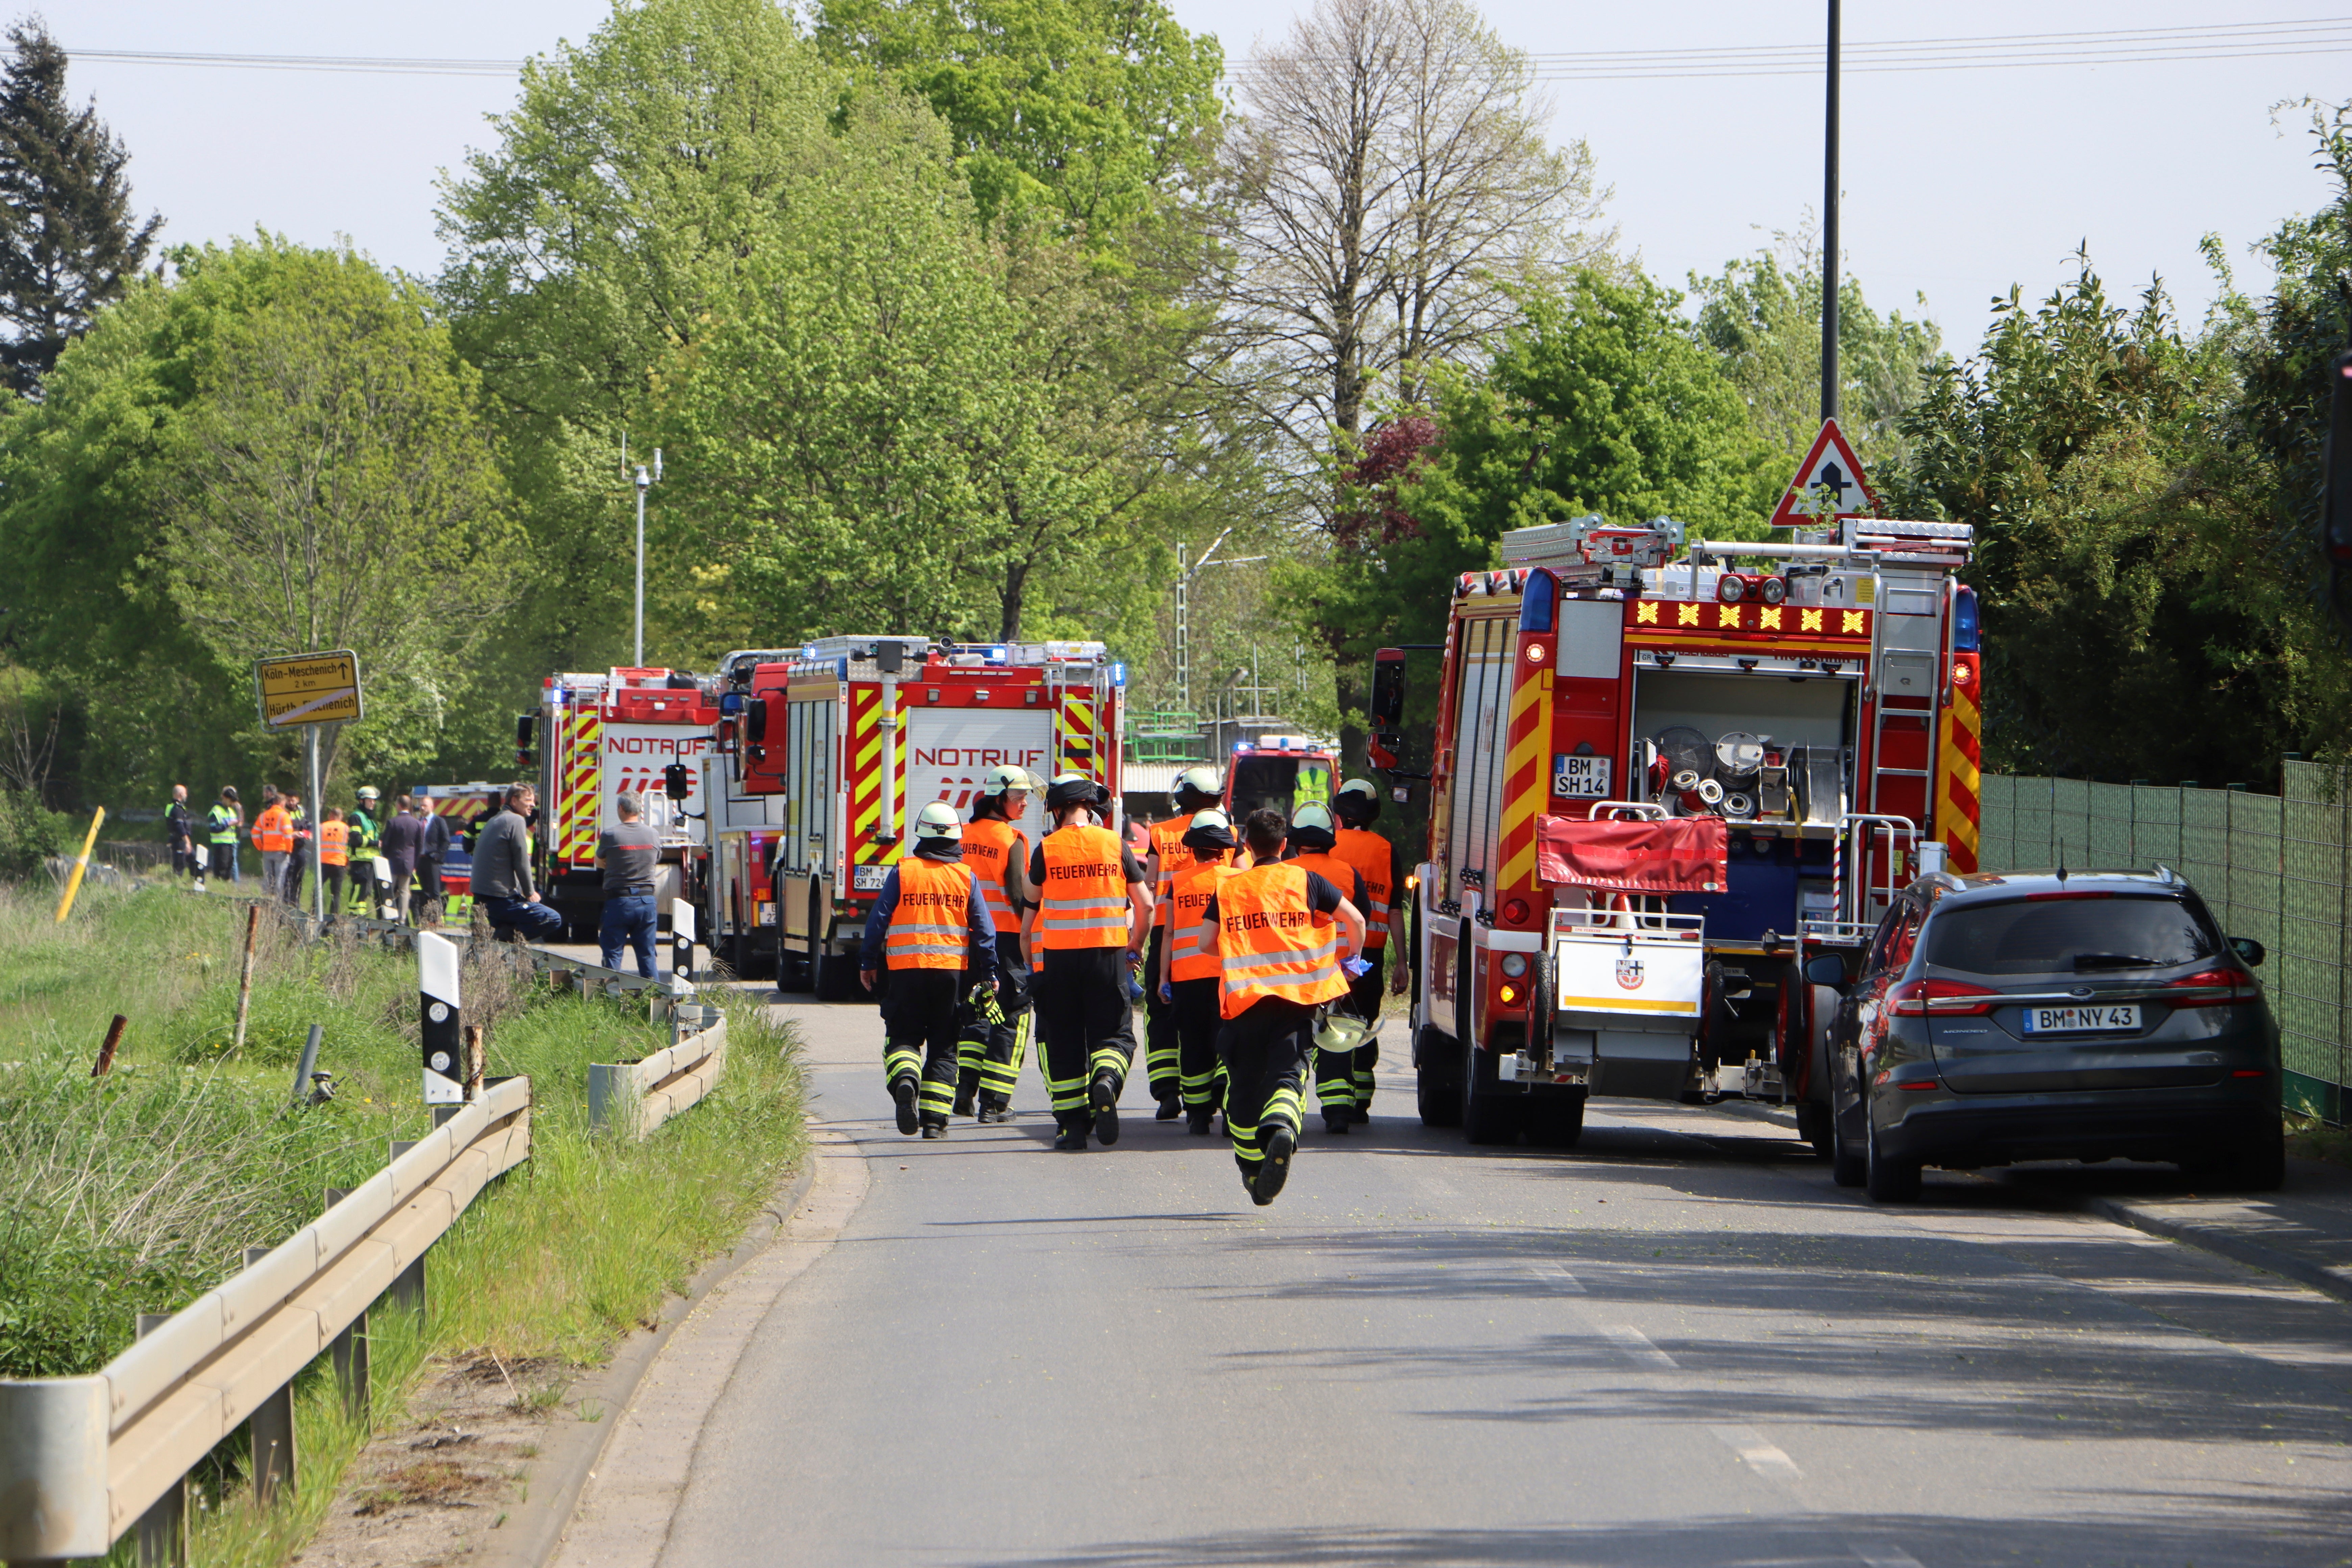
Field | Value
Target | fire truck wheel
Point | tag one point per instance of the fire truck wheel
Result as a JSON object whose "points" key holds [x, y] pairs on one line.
{"points": [[834, 979], [1437, 1078], [1488, 1116]]}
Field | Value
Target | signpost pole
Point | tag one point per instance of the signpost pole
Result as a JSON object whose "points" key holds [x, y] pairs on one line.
{"points": [[317, 819]]}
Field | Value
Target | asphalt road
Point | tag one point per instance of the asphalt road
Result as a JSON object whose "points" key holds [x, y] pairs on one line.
{"points": [[1679, 1344]]}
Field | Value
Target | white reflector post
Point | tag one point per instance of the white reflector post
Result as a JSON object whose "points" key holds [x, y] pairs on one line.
{"points": [[681, 944], [436, 986]]}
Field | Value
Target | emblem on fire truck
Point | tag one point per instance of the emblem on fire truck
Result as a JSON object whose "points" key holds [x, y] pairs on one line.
{"points": [[1628, 973]]}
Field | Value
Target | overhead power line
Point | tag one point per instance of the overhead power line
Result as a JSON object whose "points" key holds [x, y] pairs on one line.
{"points": [[2007, 51]]}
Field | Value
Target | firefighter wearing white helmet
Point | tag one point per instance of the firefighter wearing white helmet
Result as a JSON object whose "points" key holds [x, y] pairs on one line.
{"points": [[1197, 790], [1094, 908], [1313, 832], [989, 1055], [1185, 975], [931, 927], [1376, 859]]}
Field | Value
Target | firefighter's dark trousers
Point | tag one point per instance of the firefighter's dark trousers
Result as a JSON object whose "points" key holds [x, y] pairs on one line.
{"points": [[1160, 1052], [989, 1056], [1086, 1023], [1265, 1051], [921, 1012], [1343, 1079], [1195, 1013]]}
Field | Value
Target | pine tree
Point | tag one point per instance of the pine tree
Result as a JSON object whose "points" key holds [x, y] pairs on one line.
{"points": [[69, 241]]}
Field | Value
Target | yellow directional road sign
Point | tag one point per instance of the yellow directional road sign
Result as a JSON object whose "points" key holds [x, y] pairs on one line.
{"points": [[307, 689]]}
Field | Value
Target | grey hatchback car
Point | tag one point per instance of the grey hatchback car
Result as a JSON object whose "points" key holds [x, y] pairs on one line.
{"points": [[2052, 1016]]}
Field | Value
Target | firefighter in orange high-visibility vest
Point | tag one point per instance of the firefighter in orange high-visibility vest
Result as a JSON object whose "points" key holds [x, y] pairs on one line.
{"points": [[1092, 913], [989, 1056], [1186, 978], [1312, 835], [1284, 934], [1197, 789], [931, 927], [1376, 859]]}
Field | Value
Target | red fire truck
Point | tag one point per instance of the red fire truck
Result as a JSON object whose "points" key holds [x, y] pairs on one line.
{"points": [[596, 736], [1280, 772], [822, 755], [1661, 785]]}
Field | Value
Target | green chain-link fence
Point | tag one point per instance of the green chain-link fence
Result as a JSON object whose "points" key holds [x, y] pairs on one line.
{"points": [[2273, 868]]}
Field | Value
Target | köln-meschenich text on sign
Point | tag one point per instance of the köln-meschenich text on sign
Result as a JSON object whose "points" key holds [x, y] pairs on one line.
{"points": [[308, 688]]}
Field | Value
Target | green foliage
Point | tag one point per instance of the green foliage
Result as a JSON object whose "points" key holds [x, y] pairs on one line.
{"points": [[1763, 315], [1597, 401], [1084, 114], [29, 834], [69, 243], [277, 449]]}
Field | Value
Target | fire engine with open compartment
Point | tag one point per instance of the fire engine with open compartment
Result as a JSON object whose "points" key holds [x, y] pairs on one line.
{"points": [[1663, 779]]}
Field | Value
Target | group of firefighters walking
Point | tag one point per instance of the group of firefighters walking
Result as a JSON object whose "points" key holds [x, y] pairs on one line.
{"points": [[1256, 953]]}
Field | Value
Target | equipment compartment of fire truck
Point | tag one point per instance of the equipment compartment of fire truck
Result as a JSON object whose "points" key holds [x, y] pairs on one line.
{"points": [[823, 754], [1660, 786]]}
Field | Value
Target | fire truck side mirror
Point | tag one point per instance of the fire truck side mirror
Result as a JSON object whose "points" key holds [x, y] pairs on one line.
{"points": [[2336, 486], [1387, 706], [526, 733], [676, 782]]}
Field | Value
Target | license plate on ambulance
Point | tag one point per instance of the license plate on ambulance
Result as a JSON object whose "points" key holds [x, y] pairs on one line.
{"points": [[2081, 1020], [1579, 778]]}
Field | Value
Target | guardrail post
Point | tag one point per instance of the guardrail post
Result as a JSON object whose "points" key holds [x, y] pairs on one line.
{"points": [[162, 1532], [272, 1425], [349, 1347], [407, 1287], [602, 1083]]}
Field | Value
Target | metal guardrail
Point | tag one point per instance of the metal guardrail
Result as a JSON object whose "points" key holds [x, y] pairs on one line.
{"points": [[85, 1459], [635, 1098]]}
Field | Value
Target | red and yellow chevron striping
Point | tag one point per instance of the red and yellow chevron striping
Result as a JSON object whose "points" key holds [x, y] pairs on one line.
{"points": [[1959, 761], [1524, 775], [866, 803], [582, 780], [1076, 748]]}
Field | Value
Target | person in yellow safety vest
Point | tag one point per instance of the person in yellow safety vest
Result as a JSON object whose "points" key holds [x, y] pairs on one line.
{"points": [[364, 846], [1383, 869], [1283, 937], [989, 1056], [931, 927], [1312, 835], [1186, 978], [1093, 912], [1196, 790], [333, 838]]}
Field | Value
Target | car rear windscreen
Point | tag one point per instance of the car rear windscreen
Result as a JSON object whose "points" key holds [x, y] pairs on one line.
{"points": [[2068, 935]]}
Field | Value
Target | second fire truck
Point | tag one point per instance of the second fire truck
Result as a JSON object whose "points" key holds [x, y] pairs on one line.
{"points": [[823, 754], [1663, 779]]}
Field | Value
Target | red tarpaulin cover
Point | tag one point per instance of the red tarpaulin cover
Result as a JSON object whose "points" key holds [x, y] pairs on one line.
{"points": [[1681, 854]]}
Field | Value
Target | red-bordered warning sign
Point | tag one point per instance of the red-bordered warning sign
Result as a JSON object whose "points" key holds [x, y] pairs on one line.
{"points": [[1829, 485]]}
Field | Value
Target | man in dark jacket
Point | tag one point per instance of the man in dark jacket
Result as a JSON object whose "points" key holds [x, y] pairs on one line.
{"points": [[403, 840], [502, 885], [629, 856], [429, 860], [181, 829]]}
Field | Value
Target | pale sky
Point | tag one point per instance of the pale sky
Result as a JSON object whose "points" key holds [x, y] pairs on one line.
{"points": [[1957, 182]]}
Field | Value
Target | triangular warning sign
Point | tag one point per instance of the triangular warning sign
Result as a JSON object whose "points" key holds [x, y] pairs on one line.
{"points": [[1828, 483]]}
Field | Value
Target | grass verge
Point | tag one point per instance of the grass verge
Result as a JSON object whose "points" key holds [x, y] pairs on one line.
{"points": [[136, 1191]]}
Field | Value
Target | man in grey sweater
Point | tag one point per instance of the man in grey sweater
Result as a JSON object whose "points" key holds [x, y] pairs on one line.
{"points": [[502, 876], [630, 856]]}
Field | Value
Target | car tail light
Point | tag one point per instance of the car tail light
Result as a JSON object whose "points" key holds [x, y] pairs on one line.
{"points": [[1940, 999], [1514, 911], [2212, 988]]}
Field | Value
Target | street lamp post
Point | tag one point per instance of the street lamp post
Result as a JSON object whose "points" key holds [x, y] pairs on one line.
{"points": [[1186, 570], [644, 483]]}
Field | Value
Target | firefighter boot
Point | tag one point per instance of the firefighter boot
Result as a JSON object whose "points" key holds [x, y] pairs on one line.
{"points": [[934, 1127], [1338, 1117], [1197, 1119], [963, 1102], [1274, 1167], [902, 1089], [1103, 1096], [1172, 1104], [1073, 1138]]}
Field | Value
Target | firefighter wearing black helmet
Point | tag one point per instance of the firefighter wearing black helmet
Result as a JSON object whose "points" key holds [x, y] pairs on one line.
{"points": [[1093, 911], [1196, 790]]}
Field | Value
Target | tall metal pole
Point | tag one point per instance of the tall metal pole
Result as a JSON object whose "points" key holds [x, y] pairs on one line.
{"points": [[644, 484], [1830, 233], [1183, 628]]}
